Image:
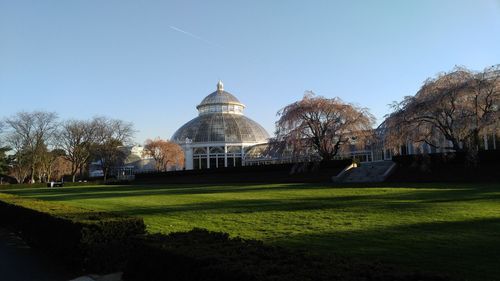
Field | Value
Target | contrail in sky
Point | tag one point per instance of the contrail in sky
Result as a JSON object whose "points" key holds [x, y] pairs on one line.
{"points": [[193, 36]]}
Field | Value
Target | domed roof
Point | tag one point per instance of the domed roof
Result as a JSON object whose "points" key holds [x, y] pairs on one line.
{"points": [[219, 97], [221, 119], [221, 127]]}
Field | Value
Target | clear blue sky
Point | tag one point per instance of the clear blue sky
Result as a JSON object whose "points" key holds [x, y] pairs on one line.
{"points": [[152, 62]]}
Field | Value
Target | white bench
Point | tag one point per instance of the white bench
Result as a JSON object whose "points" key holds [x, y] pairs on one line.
{"points": [[55, 184]]}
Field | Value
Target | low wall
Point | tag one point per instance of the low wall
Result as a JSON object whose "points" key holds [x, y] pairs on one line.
{"points": [[277, 173], [447, 167]]}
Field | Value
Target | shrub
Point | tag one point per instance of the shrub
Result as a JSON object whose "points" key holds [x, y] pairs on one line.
{"points": [[209, 256], [85, 240]]}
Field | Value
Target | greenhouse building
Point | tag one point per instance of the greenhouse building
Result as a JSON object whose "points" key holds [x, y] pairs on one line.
{"points": [[221, 133]]}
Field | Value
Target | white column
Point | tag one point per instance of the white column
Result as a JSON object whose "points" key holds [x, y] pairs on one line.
{"points": [[225, 155], [208, 157], [188, 157], [242, 155]]}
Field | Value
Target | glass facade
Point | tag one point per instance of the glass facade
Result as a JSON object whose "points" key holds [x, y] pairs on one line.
{"points": [[221, 127], [216, 137], [217, 157]]}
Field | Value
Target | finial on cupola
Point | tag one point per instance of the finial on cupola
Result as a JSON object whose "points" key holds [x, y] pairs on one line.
{"points": [[220, 86]]}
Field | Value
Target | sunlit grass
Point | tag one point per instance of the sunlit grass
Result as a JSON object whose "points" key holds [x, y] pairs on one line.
{"points": [[449, 228]]}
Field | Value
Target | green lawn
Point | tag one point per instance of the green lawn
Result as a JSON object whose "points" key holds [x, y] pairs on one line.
{"points": [[448, 228]]}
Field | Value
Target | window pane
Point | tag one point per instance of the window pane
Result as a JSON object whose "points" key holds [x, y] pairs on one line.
{"points": [[216, 149], [238, 162], [213, 163], [234, 149], [199, 150]]}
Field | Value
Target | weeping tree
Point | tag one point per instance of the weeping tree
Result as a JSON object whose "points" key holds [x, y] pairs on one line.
{"points": [[324, 125], [458, 107]]}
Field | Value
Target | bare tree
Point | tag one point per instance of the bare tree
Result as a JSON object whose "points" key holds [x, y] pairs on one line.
{"points": [[109, 135], [76, 139], [18, 169], [457, 106], [166, 154], [324, 124], [60, 167], [45, 167], [31, 132], [19, 161], [484, 108]]}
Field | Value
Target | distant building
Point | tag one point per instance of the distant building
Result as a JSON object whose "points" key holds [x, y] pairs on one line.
{"points": [[381, 151], [134, 162], [220, 135], [377, 150]]}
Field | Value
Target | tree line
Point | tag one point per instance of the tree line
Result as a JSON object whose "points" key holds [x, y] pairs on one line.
{"points": [[451, 111], [40, 148]]}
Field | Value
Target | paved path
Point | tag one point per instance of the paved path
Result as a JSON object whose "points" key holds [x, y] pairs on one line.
{"points": [[18, 262]]}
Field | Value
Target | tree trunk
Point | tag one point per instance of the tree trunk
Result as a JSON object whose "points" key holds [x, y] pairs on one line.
{"points": [[74, 170], [32, 177], [472, 151], [105, 173]]}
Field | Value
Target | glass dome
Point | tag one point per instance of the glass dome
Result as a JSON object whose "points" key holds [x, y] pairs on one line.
{"points": [[221, 119], [221, 127]]}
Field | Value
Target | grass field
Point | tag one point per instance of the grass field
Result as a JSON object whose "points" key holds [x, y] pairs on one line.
{"points": [[447, 228]]}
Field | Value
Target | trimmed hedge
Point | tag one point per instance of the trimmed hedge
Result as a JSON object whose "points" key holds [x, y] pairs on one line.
{"points": [[272, 173], [210, 256], [446, 167], [485, 157], [87, 241]]}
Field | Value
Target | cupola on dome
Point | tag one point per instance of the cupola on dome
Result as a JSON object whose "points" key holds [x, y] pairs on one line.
{"points": [[220, 101]]}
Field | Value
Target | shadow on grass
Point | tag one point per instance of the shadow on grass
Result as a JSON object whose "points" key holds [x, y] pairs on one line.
{"points": [[77, 193], [418, 202], [277, 205], [63, 194], [464, 249], [405, 200]]}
